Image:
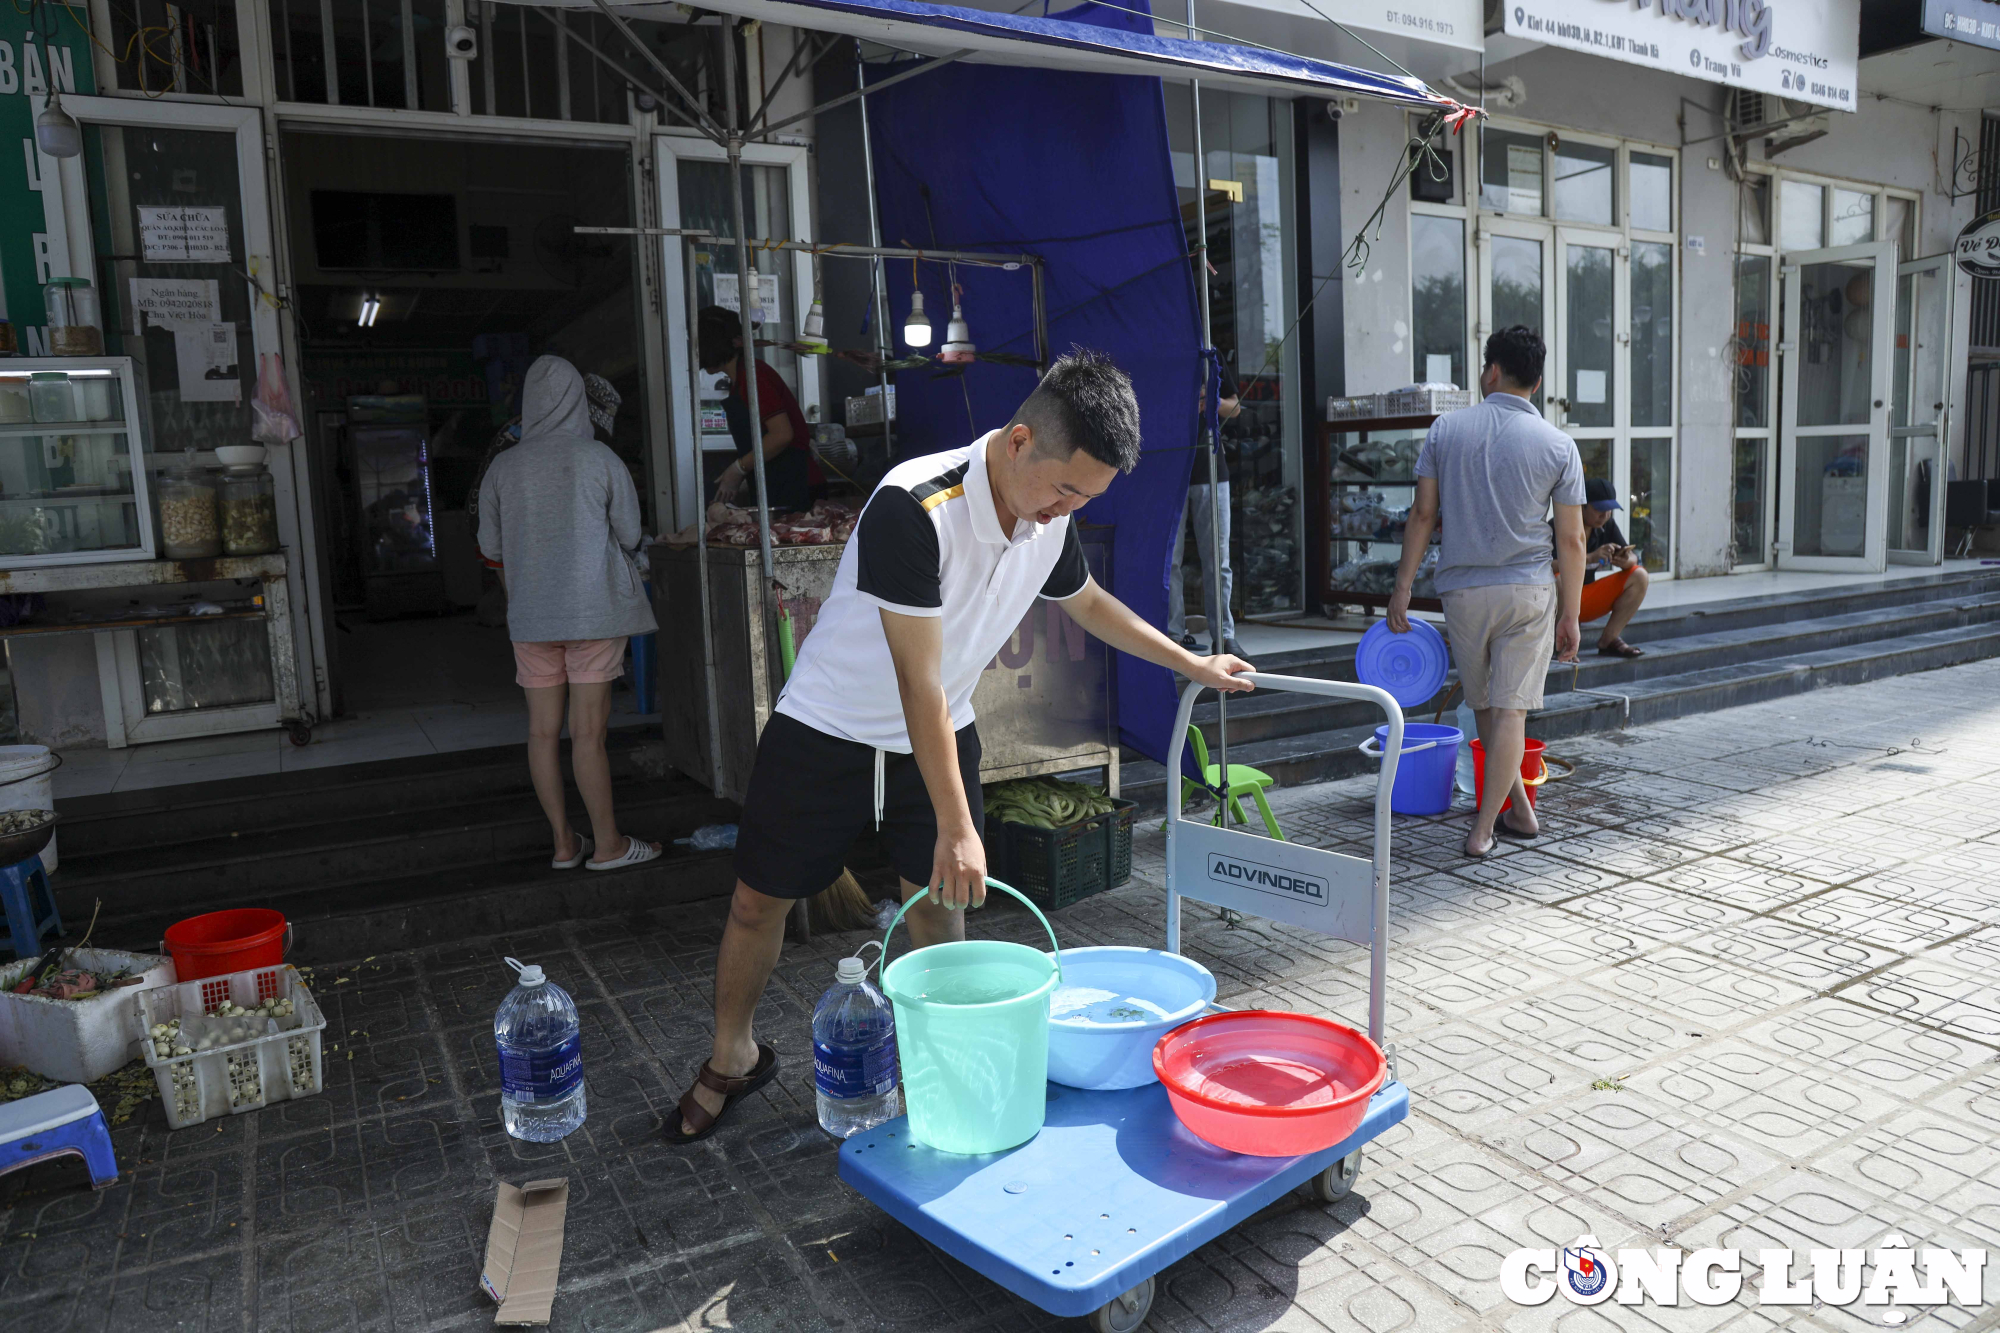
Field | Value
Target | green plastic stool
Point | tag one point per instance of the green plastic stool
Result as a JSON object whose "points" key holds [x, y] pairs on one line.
{"points": [[1243, 781]]}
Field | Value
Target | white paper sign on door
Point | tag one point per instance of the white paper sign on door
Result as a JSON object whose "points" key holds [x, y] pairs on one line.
{"points": [[206, 354], [1589, 386], [173, 235], [168, 302], [767, 295]]}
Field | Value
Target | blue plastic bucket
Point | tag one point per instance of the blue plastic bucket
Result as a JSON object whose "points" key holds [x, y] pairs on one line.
{"points": [[1426, 769]]}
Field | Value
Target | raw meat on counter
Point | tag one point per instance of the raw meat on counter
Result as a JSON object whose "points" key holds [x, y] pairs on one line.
{"points": [[827, 523]]}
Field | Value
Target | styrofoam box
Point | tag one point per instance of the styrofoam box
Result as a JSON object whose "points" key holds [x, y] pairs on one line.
{"points": [[76, 1041], [241, 1075]]}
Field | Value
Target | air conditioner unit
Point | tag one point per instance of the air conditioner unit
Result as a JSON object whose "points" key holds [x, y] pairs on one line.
{"points": [[1780, 122]]}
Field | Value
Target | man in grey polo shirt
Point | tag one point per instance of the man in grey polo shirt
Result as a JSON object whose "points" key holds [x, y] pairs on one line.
{"points": [[1497, 470]]}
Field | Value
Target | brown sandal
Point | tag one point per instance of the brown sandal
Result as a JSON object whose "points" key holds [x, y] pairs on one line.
{"points": [[697, 1119]]}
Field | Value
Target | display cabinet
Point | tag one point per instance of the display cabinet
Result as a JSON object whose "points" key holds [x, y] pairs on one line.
{"points": [[72, 463], [1361, 500]]}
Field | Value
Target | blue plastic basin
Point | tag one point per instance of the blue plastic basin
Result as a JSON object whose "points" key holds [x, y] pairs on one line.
{"points": [[1115, 1002]]}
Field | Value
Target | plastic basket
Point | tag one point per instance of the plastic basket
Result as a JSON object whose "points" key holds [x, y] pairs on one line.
{"points": [[281, 1063], [1058, 866], [1354, 409], [1424, 402]]}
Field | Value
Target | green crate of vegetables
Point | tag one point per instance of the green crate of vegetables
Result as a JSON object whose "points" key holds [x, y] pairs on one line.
{"points": [[1058, 841]]}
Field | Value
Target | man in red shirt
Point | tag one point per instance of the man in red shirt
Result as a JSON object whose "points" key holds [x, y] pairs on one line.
{"points": [[790, 470]]}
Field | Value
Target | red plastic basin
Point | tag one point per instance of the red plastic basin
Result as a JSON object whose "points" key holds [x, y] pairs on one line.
{"points": [[1269, 1084], [215, 944]]}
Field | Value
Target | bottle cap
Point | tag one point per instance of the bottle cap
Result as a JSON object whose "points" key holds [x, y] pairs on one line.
{"points": [[848, 971], [531, 973]]}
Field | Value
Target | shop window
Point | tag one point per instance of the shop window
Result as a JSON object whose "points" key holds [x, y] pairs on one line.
{"points": [[1437, 298], [1585, 174], [1510, 172], [176, 46], [1652, 333], [1652, 192], [1596, 455], [184, 667], [1801, 215], [1751, 341], [1747, 502], [1651, 502], [767, 214], [1754, 211], [1853, 218]]}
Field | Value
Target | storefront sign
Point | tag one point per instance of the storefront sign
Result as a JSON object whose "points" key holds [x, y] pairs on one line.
{"points": [[25, 239], [1974, 21], [1978, 246], [173, 235], [1458, 23], [1802, 50]]}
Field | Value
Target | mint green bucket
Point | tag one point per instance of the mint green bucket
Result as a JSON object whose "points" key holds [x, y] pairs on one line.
{"points": [[972, 1032]]}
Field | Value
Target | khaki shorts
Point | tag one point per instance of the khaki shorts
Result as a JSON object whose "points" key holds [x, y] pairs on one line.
{"points": [[1502, 639]]}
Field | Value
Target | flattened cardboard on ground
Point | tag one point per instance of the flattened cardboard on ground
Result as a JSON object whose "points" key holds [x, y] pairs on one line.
{"points": [[524, 1250]]}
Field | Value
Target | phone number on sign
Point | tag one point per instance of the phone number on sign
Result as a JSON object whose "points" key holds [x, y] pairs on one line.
{"points": [[1397, 18]]}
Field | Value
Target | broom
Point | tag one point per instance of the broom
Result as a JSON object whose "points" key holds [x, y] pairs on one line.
{"points": [[841, 905]]}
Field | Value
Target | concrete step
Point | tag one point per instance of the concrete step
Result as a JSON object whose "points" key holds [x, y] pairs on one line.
{"points": [[335, 855], [161, 817], [409, 911], [1332, 753]]}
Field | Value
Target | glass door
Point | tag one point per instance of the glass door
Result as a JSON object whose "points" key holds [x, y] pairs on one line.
{"points": [[1919, 411], [694, 192], [1584, 355], [1833, 479], [1516, 287]]}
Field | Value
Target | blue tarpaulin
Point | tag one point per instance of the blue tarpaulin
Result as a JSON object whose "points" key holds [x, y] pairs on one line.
{"points": [[1075, 168]]}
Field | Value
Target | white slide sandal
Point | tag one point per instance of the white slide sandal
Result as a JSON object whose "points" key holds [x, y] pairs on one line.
{"points": [[584, 847], [636, 853]]}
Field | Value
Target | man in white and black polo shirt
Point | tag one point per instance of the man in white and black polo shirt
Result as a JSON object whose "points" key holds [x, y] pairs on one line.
{"points": [[875, 725]]}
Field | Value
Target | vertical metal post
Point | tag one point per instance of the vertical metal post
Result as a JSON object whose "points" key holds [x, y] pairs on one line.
{"points": [[409, 24], [878, 278], [746, 363], [326, 54], [1211, 575], [714, 713]]}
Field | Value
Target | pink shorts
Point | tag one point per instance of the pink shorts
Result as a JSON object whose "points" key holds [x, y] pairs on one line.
{"points": [[579, 661]]}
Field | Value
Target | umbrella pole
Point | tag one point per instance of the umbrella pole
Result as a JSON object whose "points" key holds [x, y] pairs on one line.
{"points": [[714, 709], [883, 347], [1211, 577], [746, 364]]}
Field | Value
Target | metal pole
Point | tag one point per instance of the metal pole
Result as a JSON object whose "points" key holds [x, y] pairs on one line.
{"points": [[1211, 575], [883, 347], [701, 539], [746, 359]]}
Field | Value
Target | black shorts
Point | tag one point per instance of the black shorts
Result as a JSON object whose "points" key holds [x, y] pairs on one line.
{"points": [[812, 794]]}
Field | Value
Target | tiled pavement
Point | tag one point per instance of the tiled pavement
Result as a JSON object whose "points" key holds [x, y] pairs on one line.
{"points": [[1742, 994]]}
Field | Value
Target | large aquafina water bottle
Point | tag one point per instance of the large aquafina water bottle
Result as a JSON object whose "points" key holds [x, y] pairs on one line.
{"points": [[541, 1058], [855, 1076]]}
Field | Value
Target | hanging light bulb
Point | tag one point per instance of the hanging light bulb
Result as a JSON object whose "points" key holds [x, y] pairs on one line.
{"points": [[917, 328], [813, 335], [56, 131], [957, 337]]}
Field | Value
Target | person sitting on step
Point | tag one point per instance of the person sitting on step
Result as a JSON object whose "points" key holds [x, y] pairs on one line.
{"points": [[1623, 588]]}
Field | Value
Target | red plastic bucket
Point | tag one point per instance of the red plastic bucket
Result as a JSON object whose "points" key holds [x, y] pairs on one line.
{"points": [[217, 943], [1534, 772]]}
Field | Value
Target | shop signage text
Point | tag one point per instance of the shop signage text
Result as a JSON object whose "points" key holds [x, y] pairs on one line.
{"points": [[1976, 22], [31, 240], [1978, 246], [1458, 23], [1803, 50]]}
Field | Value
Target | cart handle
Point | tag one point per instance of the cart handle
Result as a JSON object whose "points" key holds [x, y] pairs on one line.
{"points": [[1373, 751], [1055, 949]]}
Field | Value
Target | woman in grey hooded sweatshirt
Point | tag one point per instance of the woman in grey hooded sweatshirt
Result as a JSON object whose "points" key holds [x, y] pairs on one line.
{"points": [[559, 518]]}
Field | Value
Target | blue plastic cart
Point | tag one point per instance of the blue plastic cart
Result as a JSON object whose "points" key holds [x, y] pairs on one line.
{"points": [[1081, 1218]]}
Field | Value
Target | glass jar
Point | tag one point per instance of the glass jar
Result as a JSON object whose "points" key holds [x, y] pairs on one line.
{"points": [[14, 402], [249, 511], [51, 396], [75, 327], [97, 395], [188, 529]]}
